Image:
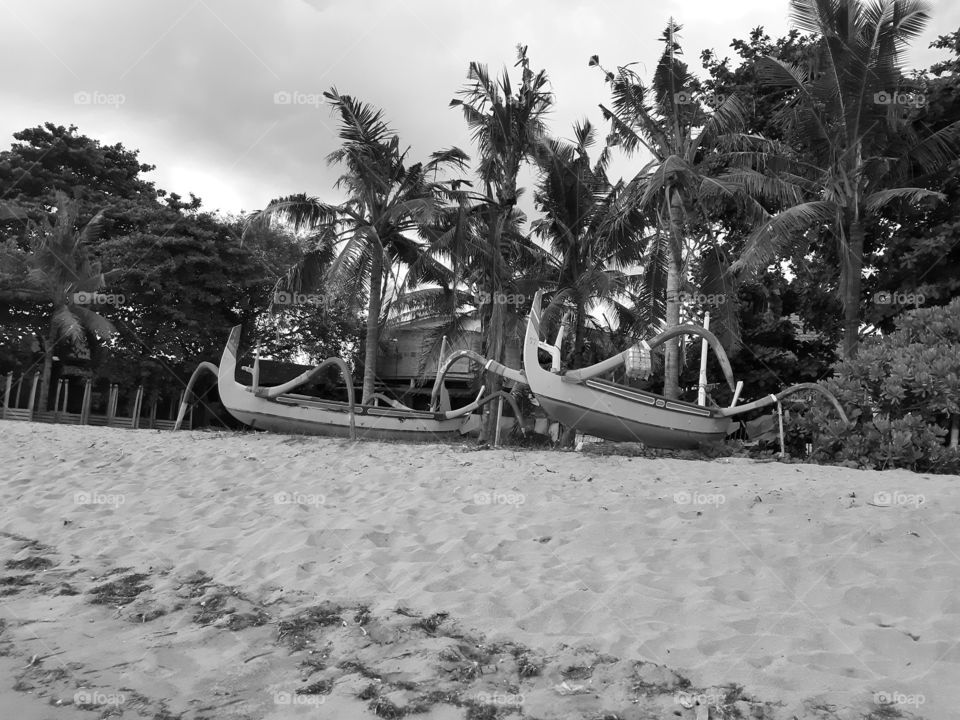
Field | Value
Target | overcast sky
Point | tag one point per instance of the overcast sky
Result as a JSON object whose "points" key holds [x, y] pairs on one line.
{"points": [[192, 83]]}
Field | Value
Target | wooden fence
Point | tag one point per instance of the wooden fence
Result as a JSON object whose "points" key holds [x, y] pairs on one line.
{"points": [[18, 407]]}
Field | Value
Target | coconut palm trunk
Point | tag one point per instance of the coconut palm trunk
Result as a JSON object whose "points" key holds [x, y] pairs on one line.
{"points": [[371, 349], [496, 341], [579, 334], [671, 351], [852, 269]]}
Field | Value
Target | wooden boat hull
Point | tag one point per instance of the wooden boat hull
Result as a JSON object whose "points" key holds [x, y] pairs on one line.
{"points": [[616, 412], [300, 414]]}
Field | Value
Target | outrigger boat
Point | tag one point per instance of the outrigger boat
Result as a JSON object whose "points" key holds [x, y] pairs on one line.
{"points": [[582, 400], [576, 398], [278, 409]]}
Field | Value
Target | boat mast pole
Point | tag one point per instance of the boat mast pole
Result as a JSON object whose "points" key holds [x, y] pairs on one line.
{"points": [[702, 390]]}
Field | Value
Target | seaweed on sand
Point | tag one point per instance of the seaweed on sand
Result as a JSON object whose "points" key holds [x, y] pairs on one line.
{"points": [[432, 623], [369, 692], [121, 591], [478, 711], [32, 563], [382, 707], [354, 666], [321, 687], [12, 584], [297, 632]]}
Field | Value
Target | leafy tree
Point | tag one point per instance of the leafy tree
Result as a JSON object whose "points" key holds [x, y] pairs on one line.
{"points": [[918, 261], [59, 273], [51, 158], [507, 126], [856, 152], [689, 179], [593, 234]]}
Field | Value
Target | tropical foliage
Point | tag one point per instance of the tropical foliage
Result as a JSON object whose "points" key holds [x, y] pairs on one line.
{"points": [[58, 273], [367, 246], [903, 393]]}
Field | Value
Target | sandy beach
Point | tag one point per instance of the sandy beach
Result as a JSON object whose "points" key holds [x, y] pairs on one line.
{"points": [[238, 575]]}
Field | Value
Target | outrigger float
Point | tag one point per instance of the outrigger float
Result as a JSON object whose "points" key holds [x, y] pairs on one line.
{"points": [[580, 398]]}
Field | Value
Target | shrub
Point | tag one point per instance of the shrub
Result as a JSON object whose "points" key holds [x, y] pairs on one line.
{"points": [[902, 394]]}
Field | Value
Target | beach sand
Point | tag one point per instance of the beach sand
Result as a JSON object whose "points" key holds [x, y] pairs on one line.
{"points": [[239, 575]]}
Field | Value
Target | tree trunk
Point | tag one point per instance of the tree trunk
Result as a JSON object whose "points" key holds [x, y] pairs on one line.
{"points": [[373, 325], [495, 335], [852, 269], [49, 344], [671, 350], [578, 338]]}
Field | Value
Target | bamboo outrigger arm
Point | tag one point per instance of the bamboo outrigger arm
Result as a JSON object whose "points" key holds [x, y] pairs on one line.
{"points": [[186, 402], [772, 399], [303, 378], [490, 365], [467, 409], [396, 404], [613, 362]]}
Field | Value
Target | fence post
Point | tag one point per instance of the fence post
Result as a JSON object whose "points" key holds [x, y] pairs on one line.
{"points": [[85, 409], [33, 395], [176, 407], [6, 393], [138, 401], [56, 401], [111, 404]]}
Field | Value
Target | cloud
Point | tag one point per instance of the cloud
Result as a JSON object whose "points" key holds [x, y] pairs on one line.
{"points": [[199, 78]]}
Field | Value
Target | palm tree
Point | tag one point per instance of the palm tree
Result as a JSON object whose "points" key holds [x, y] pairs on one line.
{"points": [[507, 125], [689, 176], [57, 271], [857, 149], [362, 246], [594, 235]]}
